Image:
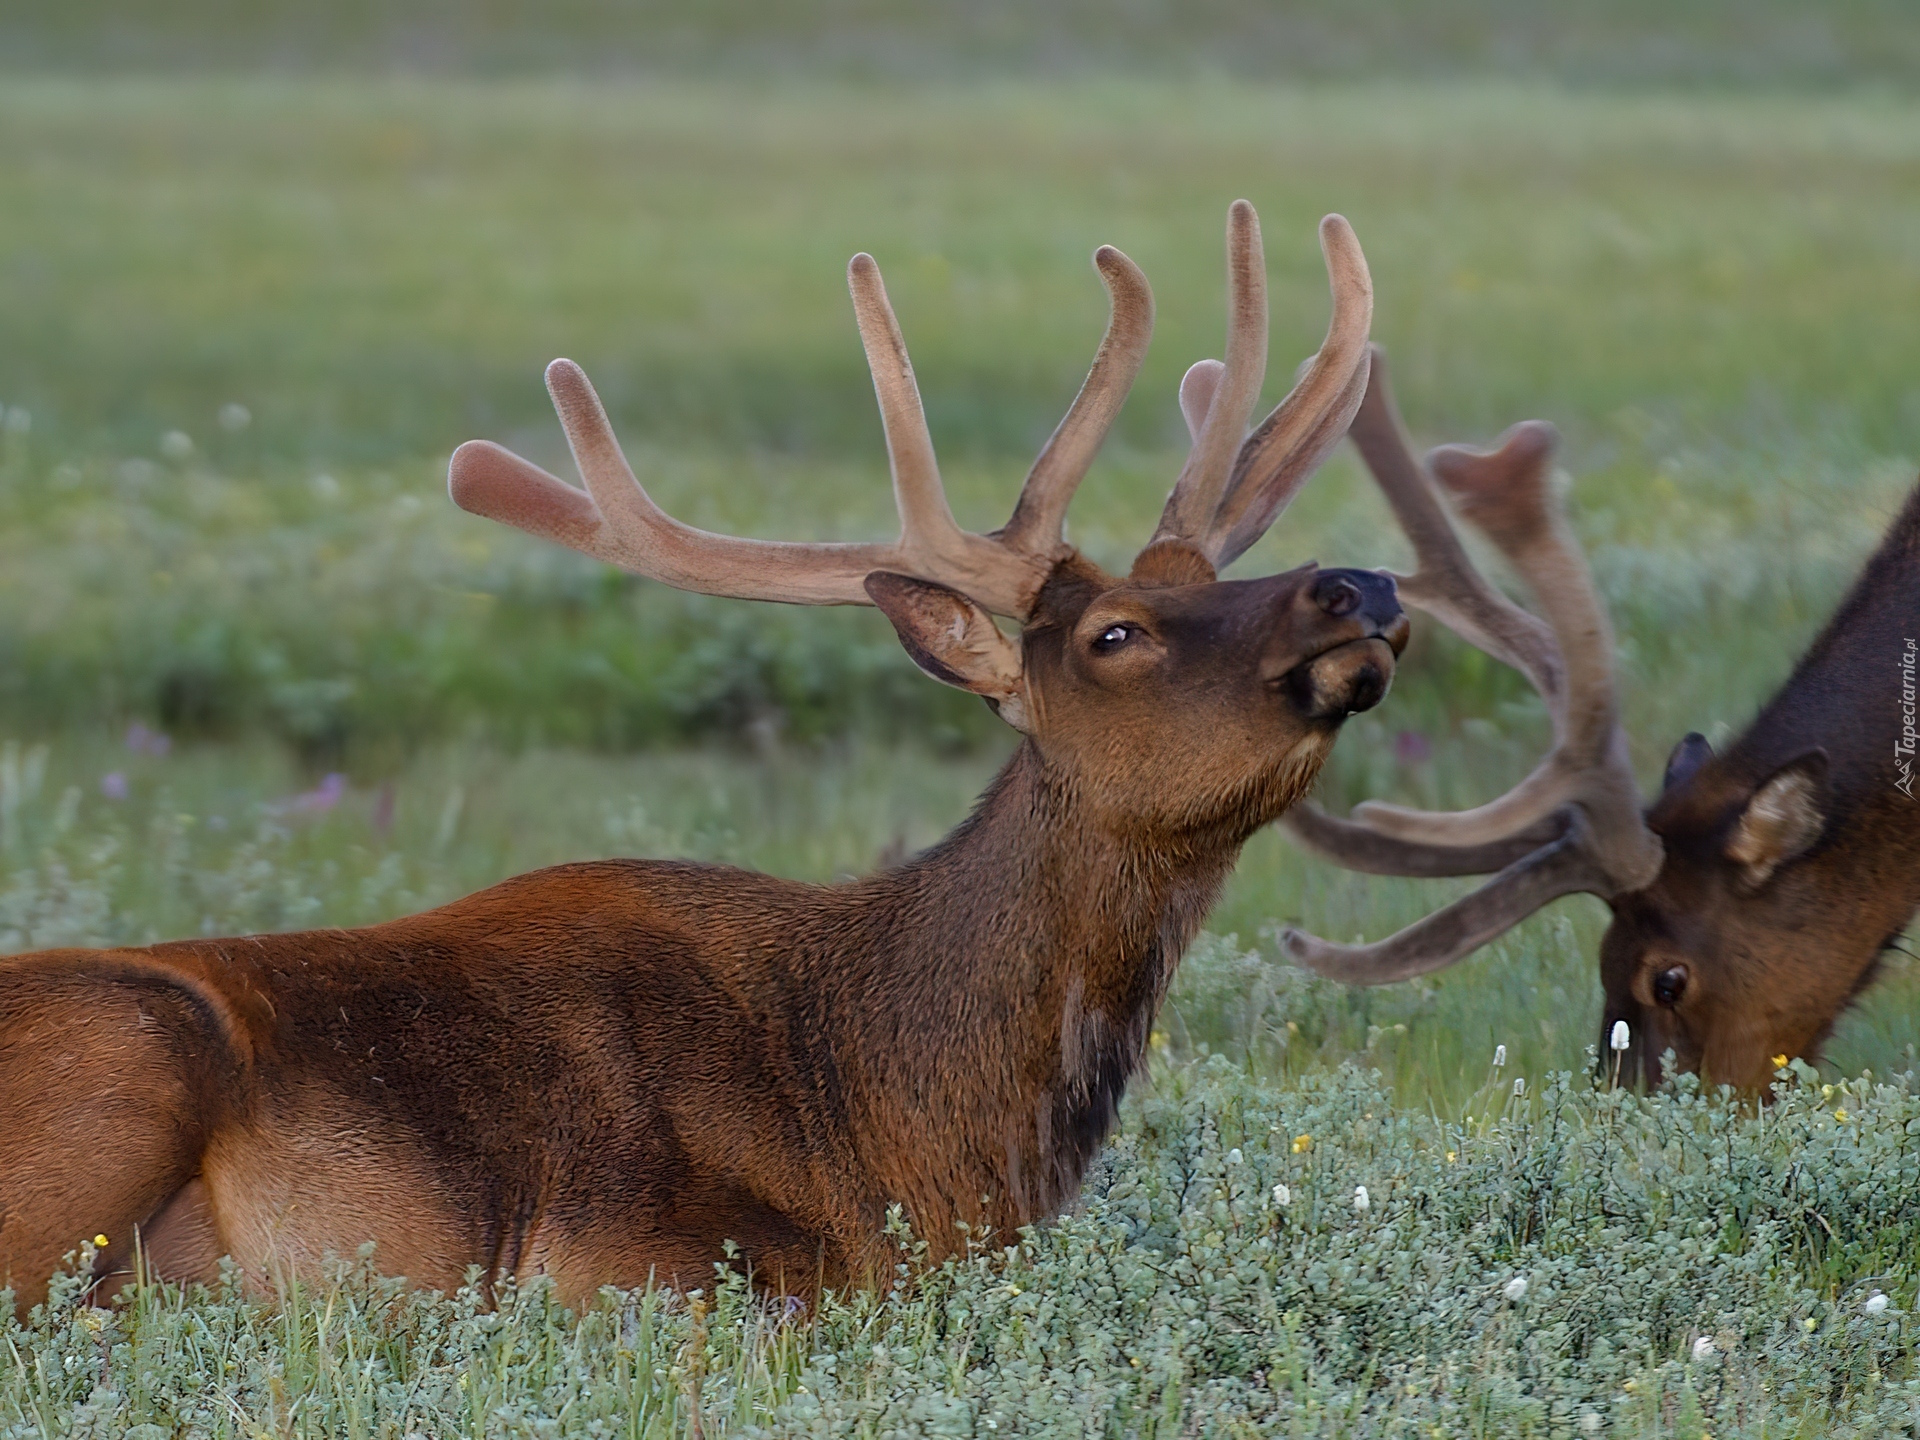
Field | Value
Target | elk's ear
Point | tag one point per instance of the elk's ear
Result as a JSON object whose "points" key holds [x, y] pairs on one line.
{"points": [[1685, 761], [954, 640], [1782, 818]]}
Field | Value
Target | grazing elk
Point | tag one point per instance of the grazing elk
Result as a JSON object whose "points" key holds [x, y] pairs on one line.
{"points": [[603, 1072], [1752, 901]]}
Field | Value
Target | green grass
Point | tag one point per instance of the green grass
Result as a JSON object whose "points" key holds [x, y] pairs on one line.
{"points": [[1567, 1262], [380, 268], [1707, 292], [1749, 43]]}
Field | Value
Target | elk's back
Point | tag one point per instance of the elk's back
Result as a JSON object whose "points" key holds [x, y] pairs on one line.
{"points": [[601, 1071]]}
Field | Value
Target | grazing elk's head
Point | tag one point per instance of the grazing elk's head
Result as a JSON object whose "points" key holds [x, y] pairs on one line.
{"points": [[1166, 696], [1792, 860], [1694, 962], [1752, 900]]}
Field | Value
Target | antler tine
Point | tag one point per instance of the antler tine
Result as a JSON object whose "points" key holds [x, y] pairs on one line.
{"points": [[1356, 846], [617, 521], [1197, 389], [1038, 519], [1565, 866], [1288, 446], [1584, 789], [1448, 586], [1445, 582], [487, 479], [926, 522], [1507, 493], [1203, 479]]}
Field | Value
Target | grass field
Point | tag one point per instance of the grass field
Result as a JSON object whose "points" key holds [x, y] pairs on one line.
{"points": [[1727, 43], [1709, 294]]}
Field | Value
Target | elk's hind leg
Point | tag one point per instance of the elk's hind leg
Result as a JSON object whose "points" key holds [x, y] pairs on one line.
{"points": [[103, 1086]]}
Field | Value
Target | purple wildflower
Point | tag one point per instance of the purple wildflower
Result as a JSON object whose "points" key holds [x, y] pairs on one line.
{"points": [[322, 797], [142, 741]]}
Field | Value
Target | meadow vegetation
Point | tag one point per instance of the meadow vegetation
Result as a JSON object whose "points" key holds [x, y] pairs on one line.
{"points": [[256, 673], [1249, 1259], [1640, 43]]}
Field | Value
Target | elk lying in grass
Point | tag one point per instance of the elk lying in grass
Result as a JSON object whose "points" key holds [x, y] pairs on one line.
{"points": [[604, 1072], [1752, 901]]}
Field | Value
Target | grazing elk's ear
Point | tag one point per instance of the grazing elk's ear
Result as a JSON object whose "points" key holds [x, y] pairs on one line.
{"points": [[1782, 818], [953, 640], [1685, 761]]}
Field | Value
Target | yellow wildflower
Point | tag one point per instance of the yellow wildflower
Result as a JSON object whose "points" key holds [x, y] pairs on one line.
{"points": [[1779, 1062], [1841, 1116], [99, 1242], [1302, 1144]]}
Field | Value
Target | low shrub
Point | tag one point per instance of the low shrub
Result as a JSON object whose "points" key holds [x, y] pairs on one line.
{"points": [[1248, 1258]]}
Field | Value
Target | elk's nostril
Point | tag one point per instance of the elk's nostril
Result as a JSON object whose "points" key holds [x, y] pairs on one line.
{"points": [[1337, 596]]}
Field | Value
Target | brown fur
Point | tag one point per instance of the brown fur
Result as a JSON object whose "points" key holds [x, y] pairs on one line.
{"points": [[604, 1071], [1774, 945]]}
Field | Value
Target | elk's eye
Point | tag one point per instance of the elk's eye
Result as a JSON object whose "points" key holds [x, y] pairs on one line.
{"points": [[1113, 637], [1670, 984]]}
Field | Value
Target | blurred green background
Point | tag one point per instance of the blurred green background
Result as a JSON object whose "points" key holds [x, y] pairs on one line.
{"points": [[1839, 43], [262, 267]]}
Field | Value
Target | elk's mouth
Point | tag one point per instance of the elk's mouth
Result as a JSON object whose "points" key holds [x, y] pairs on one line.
{"points": [[1368, 630], [1343, 680]]}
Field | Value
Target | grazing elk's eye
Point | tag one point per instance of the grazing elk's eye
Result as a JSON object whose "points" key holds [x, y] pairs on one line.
{"points": [[1113, 637], [1670, 984]]}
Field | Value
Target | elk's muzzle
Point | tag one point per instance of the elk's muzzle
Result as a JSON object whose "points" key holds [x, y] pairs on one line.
{"points": [[1367, 632]]}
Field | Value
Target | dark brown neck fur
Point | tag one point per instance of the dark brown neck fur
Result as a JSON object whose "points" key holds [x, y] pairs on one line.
{"points": [[1844, 694], [1008, 982]]}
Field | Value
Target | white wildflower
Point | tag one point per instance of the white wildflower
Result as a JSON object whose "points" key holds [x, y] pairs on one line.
{"points": [[1499, 1056], [235, 417], [176, 445], [1519, 1088], [1622, 1037], [1515, 1289], [1234, 1157], [1875, 1303], [1360, 1200], [1282, 1196], [1702, 1348]]}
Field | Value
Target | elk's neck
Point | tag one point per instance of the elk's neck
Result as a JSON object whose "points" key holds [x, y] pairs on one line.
{"points": [[1853, 694], [1024, 960]]}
